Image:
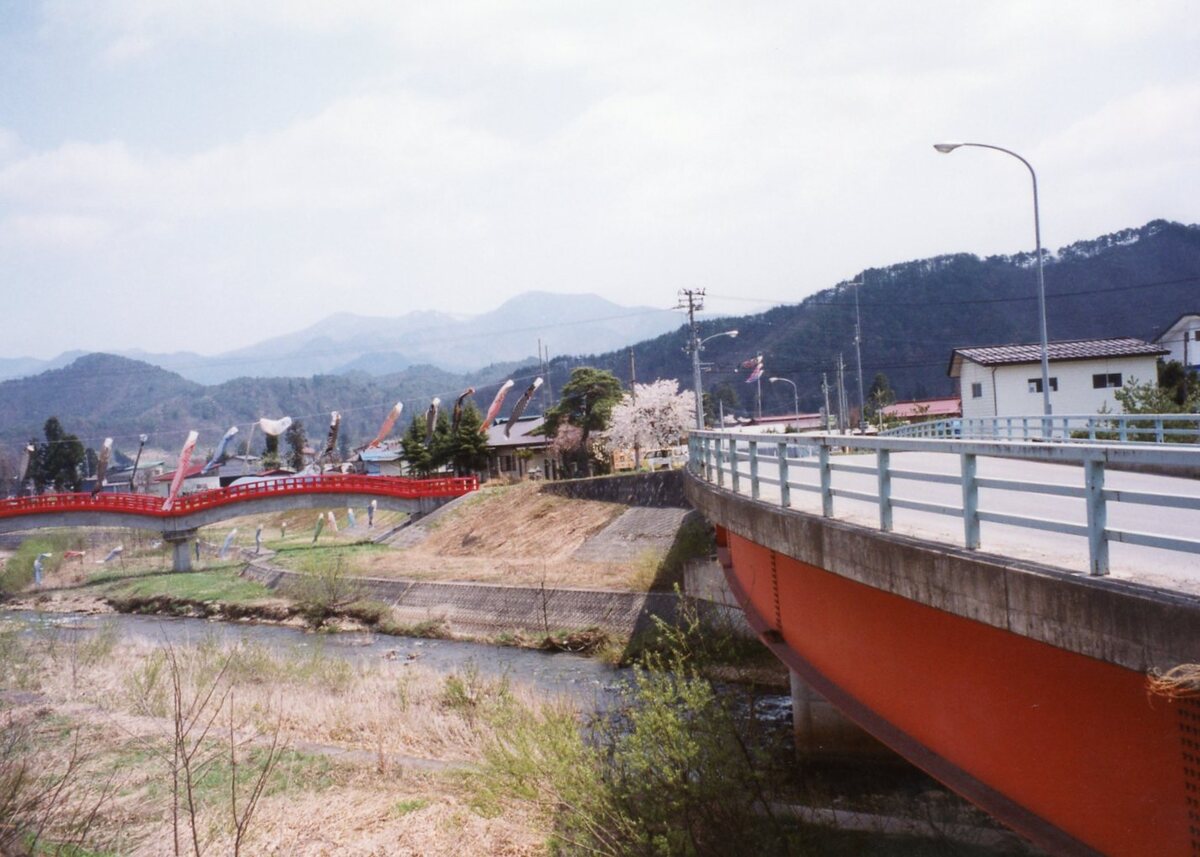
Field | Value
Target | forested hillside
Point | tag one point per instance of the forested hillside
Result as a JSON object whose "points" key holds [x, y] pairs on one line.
{"points": [[1131, 283]]}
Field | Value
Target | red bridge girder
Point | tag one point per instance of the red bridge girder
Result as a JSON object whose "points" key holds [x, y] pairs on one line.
{"points": [[150, 505]]}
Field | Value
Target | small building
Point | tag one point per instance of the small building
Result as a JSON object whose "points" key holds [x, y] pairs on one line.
{"points": [[1006, 380], [1182, 340], [192, 481], [522, 454], [920, 410], [383, 461]]}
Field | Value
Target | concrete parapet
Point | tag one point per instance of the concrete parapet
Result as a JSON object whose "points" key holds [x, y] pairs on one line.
{"points": [[663, 488]]}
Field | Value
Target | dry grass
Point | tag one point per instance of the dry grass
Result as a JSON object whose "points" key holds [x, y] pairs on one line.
{"points": [[354, 779]]}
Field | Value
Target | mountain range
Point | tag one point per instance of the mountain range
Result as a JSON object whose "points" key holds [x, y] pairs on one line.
{"points": [[346, 342], [1134, 282]]}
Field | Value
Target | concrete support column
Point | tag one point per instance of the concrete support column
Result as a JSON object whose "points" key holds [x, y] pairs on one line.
{"points": [[823, 732], [181, 548]]}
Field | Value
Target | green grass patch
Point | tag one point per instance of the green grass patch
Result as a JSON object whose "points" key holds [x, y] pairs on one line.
{"points": [[403, 807], [220, 584], [307, 557]]}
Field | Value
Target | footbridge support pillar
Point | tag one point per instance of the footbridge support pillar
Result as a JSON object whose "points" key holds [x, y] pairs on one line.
{"points": [[181, 542]]}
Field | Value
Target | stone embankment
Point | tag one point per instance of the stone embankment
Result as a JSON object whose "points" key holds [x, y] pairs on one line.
{"points": [[475, 608]]}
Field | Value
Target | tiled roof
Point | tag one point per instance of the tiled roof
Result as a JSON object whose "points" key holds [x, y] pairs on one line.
{"points": [[1077, 349], [520, 435], [925, 407]]}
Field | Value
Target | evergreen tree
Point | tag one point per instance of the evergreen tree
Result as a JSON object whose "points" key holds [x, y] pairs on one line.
{"points": [[468, 446], [588, 399], [270, 458], [296, 441], [416, 452], [58, 463]]}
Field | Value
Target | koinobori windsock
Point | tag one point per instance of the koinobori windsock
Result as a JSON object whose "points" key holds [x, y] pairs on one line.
{"points": [[102, 465], [431, 419], [497, 403], [458, 408], [389, 423], [275, 427], [185, 456], [335, 422], [521, 405], [219, 452]]}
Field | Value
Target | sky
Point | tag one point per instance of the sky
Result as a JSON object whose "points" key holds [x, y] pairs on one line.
{"points": [[204, 174]]}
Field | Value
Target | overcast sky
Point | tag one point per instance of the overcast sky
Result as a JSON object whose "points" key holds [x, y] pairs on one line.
{"points": [[203, 174]]}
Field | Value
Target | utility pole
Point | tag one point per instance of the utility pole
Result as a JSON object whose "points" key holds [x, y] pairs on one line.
{"points": [[862, 402], [825, 390], [693, 301], [637, 446], [843, 416], [758, 399], [547, 388]]}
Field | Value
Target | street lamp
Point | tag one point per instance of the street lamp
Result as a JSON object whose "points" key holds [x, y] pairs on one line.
{"points": [[697, 345], [947, 148], [795, 393]]}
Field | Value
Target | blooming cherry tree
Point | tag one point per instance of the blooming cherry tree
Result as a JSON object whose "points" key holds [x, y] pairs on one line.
{"points": [[657, 416]]}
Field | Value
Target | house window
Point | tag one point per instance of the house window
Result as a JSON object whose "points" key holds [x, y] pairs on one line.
{"points": [[977, 390], [1035, 385], [1102, 380]]}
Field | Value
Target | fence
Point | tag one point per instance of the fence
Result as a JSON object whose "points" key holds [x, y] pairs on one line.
{"points": [[747, 464], [1062, 428]]}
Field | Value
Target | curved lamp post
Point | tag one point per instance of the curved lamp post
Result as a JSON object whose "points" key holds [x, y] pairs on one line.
{"points": [[698, 346], [795, 393], [947, 148]]}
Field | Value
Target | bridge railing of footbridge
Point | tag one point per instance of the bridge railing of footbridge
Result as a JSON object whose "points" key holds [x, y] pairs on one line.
{"points": [[1068, 428], [151, 505], [775, 468]]}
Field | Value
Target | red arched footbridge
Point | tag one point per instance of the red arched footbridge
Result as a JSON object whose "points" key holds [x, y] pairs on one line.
{"points": [[192, 511]]}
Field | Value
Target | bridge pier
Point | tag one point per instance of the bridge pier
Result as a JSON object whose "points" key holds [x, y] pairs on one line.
{"points": [[821, 731], [181, 548]]}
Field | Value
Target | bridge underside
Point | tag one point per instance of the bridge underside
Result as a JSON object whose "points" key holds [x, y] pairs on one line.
{"points": [[936, 657]]}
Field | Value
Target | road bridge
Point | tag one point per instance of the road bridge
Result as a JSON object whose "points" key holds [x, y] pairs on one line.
{"points": [[180, 523], [991, 610]]}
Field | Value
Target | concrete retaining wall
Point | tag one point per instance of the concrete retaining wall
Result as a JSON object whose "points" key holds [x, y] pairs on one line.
{"points": [[658, 489], [481, 608]]}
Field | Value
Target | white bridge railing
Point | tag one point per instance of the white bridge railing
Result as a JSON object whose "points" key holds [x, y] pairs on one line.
{"points": [[778, 468], [1068, 428]]}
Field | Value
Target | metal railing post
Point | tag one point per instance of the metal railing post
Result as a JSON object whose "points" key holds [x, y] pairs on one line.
{"points": [[884, 476], [826, 479], [1097, 516], [785, 488], [1158, 430], [735, 478], [970, 495], [720, 456], [753, 448]]}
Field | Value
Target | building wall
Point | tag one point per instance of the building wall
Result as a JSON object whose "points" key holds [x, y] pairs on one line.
{"points": [[1173, 339], [983, 405], [1075, 394]]}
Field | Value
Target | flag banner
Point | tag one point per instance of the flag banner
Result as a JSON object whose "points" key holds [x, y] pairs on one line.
{"points": [[497, 403], [332, 521], [388, 423], [219, 453], [758, 370], [185, 456], [521, 405], [751, 363], [458, 408], [102, 465], [431, 419], [112, 554], [335, 421], [320, 526], [275, 427], [351, 521]]}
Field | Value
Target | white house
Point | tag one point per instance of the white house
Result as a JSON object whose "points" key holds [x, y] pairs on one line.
{"points": [[1182, 339], [521, 453], [1006, 380]]}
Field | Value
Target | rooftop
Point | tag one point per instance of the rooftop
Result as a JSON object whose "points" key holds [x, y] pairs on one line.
{"points": [[1074, 349]]}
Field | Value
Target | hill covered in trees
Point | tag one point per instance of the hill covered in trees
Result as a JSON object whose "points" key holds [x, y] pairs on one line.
{"points": [[1131, 283], [913, 314]]}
